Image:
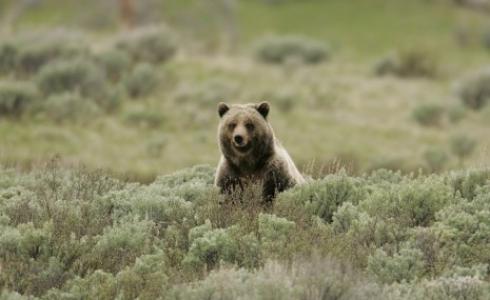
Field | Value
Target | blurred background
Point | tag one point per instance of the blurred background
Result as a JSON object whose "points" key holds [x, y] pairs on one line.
{"points": [[131, 86]]}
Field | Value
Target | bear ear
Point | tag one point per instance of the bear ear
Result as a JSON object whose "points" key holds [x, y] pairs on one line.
{"points": [[222, 108], [263, 108]]}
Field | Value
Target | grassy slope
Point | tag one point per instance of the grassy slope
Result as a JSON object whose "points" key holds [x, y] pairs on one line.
{"points": [[356, 117]]}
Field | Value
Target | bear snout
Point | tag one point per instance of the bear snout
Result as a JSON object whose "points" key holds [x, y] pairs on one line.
{"points": [[238, 139]]}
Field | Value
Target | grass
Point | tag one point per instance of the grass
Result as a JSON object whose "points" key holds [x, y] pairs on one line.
{"points": [[339, 109], [368, 118]]}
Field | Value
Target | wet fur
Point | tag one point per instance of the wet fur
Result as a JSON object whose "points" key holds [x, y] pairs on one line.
{"points": [[267, 163]]}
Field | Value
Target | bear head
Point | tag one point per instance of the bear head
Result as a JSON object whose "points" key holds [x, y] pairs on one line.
{"points": [[244, 133]]}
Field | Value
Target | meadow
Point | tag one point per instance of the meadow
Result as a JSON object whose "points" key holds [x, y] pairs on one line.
{"points": [[108, 148]]}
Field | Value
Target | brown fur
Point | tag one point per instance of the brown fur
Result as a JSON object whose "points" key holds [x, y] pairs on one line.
{"points": [[262, 159]]}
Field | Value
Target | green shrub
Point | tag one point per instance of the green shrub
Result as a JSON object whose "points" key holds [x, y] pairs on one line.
{"points": [[36, 50], [34, 57], [16, 97], [79, 76], [146, 279], [406, 265], [474, 90], [321, 197], [301, 279], [276, 235], [408, 63], [409, 203], [115, 63], [142, 81], [466, 183], [463, 287], [386, 65], [69, 107], [428, 114], [8, 57], [436, 159], [222, 245], [464, 228], [120, 245], [280, 49], [153, 45], [462, 146]]}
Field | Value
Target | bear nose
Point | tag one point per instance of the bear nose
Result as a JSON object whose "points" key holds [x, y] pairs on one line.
{"points": [[238, 139]]}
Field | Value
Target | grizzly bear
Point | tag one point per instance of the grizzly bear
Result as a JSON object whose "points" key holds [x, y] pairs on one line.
{"points": [[251, 153]]}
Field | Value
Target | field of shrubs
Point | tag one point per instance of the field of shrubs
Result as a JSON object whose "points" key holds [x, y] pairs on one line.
{"points": [[108, 149], [69, 233]]}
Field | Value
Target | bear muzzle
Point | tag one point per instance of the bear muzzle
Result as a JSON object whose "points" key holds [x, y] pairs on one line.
{"points": [[241, 144]]}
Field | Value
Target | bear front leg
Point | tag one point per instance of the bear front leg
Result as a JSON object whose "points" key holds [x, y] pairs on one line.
{"points": [[275, 181], [228, 182]]}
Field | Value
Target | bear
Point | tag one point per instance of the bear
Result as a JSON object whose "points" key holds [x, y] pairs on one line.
{"points": [[250, 152]]}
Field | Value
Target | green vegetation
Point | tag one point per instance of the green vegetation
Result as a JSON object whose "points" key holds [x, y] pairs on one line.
{"points": [[279, 50], [408, 63], [72, 233], [428, 114], [397, 202], [474, 90], [180, 71]]}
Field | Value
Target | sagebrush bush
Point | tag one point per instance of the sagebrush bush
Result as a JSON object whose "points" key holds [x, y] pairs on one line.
{"points": [[406, 265], [69, 107], [141, 81], [35, 56], [8, 56], [276, 235], [408, 63], [474, 89], [410, 203], [82, 77], [79, 76], [16, 97], [278, 281], [281, 49], [153, 45], [466, 183], [115, 62], [222, 245], [322, 197], [27, 53], [428, 114]]}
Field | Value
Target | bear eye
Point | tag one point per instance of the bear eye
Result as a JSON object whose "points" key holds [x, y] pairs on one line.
{"points": [[232, 125], [250, 126]]}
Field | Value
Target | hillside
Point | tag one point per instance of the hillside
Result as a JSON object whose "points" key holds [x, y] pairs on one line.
{"points": [[337, 112]]}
